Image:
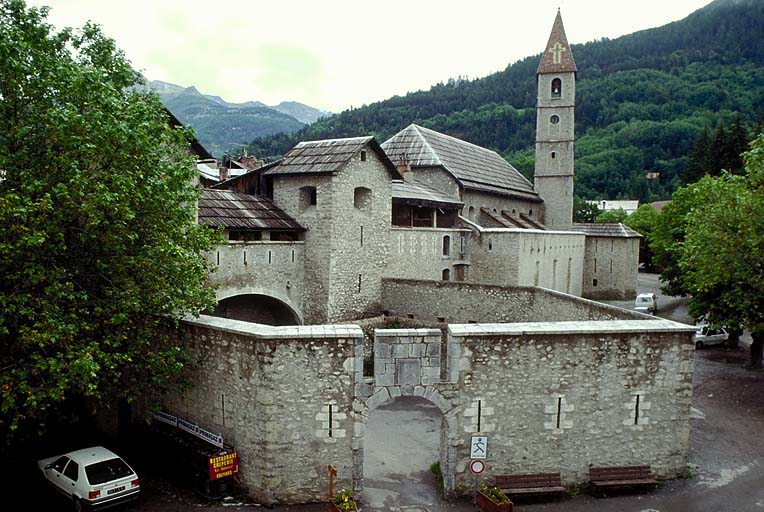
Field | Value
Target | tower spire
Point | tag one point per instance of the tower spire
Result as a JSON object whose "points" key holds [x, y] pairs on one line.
{"points": [[557, 57]]}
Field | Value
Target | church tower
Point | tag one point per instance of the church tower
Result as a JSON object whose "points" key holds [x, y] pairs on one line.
{"points": [[553, 175]]}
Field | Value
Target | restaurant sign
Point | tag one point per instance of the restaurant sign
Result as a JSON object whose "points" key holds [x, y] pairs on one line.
{"points": [[226, 464]]}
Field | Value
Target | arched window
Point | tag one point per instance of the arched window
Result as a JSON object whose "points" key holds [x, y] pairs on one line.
{"points": [[556, 88], [446, 245], [446, 274], [471, 213], [362, 199]]}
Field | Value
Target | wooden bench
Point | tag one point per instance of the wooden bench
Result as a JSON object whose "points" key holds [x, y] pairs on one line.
{"points": [[531, 484], [622, 477]]}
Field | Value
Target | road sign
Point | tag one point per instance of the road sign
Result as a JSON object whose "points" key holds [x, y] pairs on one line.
{"points": [[477, 466], [478, 447]]}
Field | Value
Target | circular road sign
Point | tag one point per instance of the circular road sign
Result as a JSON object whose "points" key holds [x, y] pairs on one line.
{"points": [[477, 466]]}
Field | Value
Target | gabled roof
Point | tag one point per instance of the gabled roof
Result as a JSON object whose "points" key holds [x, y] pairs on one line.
{"points": [[474, 167], [609, 229], [557, 57], [233, 210], [415, 193], [327, 156]]}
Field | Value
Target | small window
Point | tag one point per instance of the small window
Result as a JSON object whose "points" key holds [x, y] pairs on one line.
{"points": [[554, 119], [490, 245], [471, 213], [363, 156], [72, 470], [530, 213], [554, 155], [594, 282], [446, 245], [362, 199], [307, 197], [446, 274], [556, 88]]}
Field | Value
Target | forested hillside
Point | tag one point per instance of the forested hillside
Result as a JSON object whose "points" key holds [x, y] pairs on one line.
{"points": [[642, 100]]}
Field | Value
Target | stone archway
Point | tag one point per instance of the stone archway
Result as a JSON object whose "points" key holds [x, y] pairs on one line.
{"points": [[407, 363], [257, 306]]}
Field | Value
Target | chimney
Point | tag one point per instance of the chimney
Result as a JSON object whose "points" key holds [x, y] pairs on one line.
{"points": [[404, 168], [223, 170]]}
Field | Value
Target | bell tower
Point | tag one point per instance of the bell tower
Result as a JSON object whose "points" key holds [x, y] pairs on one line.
{"points": [[555, 105]]}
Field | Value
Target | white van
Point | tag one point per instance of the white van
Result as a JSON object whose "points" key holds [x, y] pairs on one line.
{"points": [[646, 303]]}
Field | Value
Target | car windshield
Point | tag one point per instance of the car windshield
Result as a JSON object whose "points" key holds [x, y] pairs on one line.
{"points": [[643, 300], [107, 471]]}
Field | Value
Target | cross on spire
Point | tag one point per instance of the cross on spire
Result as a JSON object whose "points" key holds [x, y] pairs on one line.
{"points": [[557, 50]]}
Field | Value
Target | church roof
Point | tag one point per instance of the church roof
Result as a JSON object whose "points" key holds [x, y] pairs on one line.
{"points": [[557, 57], [422, 195], [608, 229], [475, 167], [326, 156], [234, 210]]}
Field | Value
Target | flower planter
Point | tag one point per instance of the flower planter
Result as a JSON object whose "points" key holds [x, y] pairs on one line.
{"points": [[334, 508], [485, 503]]}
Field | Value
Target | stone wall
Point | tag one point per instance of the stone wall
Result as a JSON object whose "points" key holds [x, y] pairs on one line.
{"points": [[275, 269], [610, 267], [417, 253], [470, 302], [476, 200], [270, 391], [526, 257], [562, 396]]}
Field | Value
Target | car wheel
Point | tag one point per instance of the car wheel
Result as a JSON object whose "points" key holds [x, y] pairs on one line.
{"points": [[78, 505], [699, 344]]}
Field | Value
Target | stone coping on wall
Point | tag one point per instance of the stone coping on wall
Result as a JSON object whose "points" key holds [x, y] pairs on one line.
{"points": [[451, 230], [579, 327], [392, 333], [530, 231], [275, 332], [263, 242]]}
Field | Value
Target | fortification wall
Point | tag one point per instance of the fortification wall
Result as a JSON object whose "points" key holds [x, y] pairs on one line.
{"points": [[418, 253], [610, 267], [471, 302]]}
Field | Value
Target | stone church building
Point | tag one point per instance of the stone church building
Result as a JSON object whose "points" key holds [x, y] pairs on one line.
{"points": [[436, 229]]}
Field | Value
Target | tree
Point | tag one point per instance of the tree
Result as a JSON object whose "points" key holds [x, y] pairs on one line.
{"points": [[99, 247], [584, 211], [643, 221], [611, 216], [723, 255]]}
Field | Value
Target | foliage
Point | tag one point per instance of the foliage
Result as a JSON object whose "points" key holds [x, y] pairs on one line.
{"points": [[722, 150], [642, 100], [584, 211], [611, 216], [643, 221], [345, 502], [723, 255], [494, 493], [99, 246], [437, 473]]}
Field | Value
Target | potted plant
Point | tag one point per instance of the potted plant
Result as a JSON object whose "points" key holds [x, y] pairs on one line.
{"points": [[343, 502], [491, 499]]}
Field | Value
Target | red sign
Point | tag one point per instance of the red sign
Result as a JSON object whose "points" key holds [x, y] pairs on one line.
{"points": [[226, 464], [477, 466]]}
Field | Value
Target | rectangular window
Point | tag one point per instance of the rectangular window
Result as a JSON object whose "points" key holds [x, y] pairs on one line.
{"points": [[363, 156]]}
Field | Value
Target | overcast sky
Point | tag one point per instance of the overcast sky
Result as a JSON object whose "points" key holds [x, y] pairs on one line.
{"points": [[334, 54]]}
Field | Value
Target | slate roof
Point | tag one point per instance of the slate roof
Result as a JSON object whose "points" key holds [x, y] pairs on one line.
{"points": [[233, 210], [475, 167], [609, 229], [557, 57], [423, 195], [326, 156], [508, 220]]}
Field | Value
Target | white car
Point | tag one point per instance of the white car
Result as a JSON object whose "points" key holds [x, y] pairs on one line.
{"points": [[646, 303], [93, 478], [706, 336]]}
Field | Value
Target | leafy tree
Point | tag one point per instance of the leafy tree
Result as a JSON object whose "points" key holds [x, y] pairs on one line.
{"points": [[99, 247], [643, 221], [723, 255], [611, 216], [584, 211]]}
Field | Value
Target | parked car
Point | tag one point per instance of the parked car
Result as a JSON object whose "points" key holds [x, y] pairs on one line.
{"points": [[646, 303], [706, 336], [93, 478]]}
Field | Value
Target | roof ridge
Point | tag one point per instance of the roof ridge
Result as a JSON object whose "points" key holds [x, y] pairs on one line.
{"points": [[363, 137], [426, 143]]}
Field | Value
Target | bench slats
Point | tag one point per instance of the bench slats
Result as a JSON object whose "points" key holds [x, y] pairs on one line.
{"points": [[537, 483], [622, 476]]}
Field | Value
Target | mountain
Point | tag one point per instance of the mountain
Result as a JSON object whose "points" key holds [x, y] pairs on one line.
{"points": [[641, 101], [221, 125]]}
